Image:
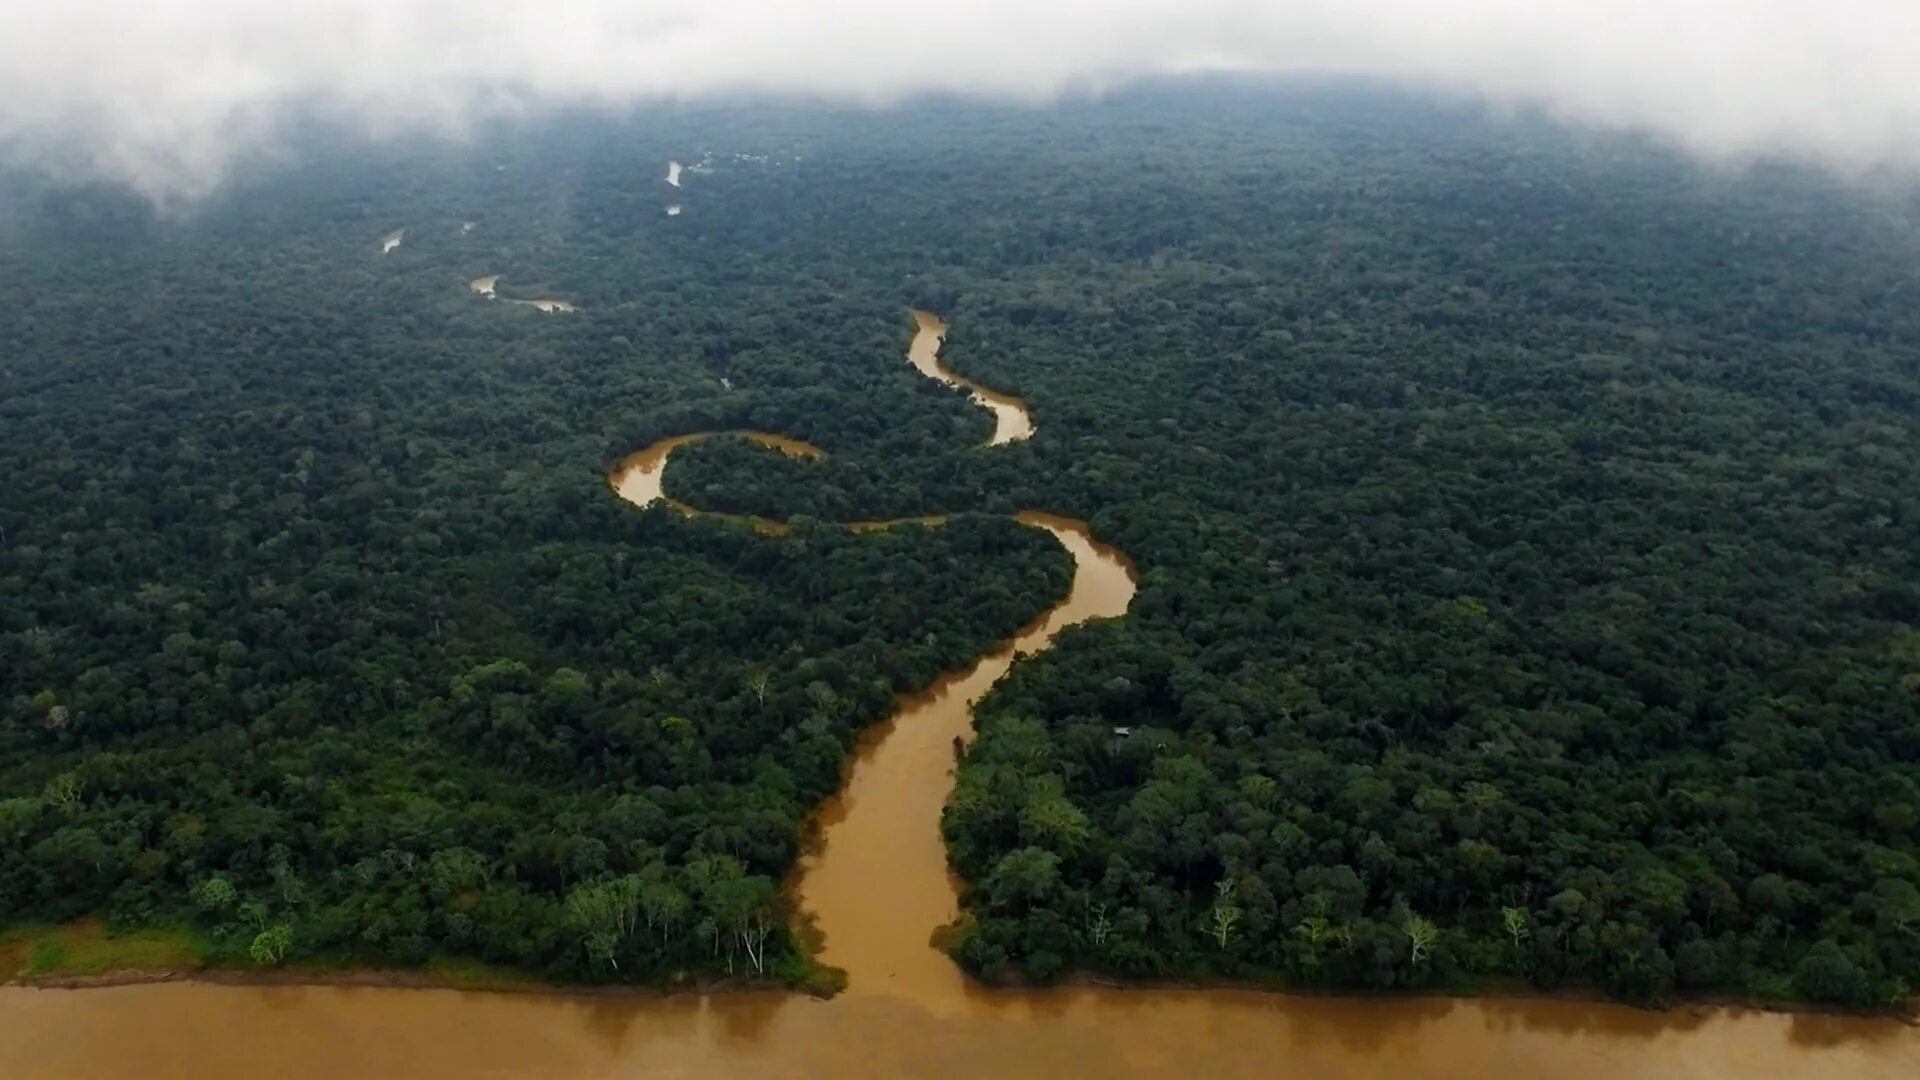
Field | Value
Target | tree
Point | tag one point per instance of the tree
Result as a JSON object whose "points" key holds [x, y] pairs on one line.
{"points": [[1098, 925], [270, 946], [600, 946], [451, 871], [757, 683], [255, 913], [1827, 973], [1421, 935], [214, 894], [293, 891], [1224, 915], [1049, 820], [743, 907], [1514, 920], [1896, 906], [18, 815], [665, 904], [603, 913], [63, 792], [1023, 877]]}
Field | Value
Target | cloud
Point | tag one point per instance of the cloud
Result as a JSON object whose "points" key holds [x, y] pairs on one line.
{"points": [[169, 94]]}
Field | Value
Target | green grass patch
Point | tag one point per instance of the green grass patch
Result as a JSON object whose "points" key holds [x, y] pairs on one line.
{"points": [[49, 954], [91, 948], [16, 949], [463, 973]]}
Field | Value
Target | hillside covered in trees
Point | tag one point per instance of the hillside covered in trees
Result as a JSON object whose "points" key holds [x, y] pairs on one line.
{"points": [[1526, 522]]}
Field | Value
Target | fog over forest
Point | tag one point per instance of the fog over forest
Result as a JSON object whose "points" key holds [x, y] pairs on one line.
{"points": [[171, 97]]}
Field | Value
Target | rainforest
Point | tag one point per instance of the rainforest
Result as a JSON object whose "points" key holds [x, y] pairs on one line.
{"points": [[1521, 523]]}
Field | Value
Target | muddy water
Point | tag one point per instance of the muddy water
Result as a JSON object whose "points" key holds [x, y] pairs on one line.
{"points": [[636, 479], [878, 886], [243, 1033], [1011, 420]]}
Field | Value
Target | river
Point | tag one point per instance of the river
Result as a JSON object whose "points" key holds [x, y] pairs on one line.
{"points": [[878, 886], [1012, 422]]}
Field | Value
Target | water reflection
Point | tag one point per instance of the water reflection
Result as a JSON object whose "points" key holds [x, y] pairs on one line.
{"points": [[218, 1032]]}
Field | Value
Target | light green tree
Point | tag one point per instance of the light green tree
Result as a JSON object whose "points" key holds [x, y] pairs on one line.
{"points": [[1050, 821], [604, 913], [1098, 925], [214, 894], [1515, 921], [63, 792], [1225, 914], [270, 945], [665, 905], [1421, 934], [17, 815], [758, 682]]}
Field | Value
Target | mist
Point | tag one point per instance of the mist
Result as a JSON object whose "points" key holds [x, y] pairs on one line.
{"points": [[171, 96]]}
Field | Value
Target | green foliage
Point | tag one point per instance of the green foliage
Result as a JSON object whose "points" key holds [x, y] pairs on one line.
{"points": [[214, 894], [270, 946], [1827, 973]]}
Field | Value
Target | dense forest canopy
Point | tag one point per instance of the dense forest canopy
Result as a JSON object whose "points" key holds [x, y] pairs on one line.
{"points": [[1526, 523]]}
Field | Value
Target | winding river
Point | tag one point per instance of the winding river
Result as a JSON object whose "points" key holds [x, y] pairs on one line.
{"points": [[878, 886], [1011, 420]]}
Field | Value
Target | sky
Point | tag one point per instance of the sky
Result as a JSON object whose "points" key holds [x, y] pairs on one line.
{"points": [[172, 95]]}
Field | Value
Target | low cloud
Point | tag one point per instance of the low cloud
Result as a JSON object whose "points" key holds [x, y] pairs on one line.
{"points": [[169, 94]]}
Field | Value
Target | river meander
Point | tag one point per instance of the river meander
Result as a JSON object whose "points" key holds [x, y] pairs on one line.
{"points": [[878, 886]]}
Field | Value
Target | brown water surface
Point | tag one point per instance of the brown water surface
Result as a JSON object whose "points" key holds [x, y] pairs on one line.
{"points": [[637, 477], [211, 1032], [1011, 420], [878, 886]]}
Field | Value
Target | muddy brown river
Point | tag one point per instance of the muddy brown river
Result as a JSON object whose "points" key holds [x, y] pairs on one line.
{"points": [[1011, 420], [878, 886]]}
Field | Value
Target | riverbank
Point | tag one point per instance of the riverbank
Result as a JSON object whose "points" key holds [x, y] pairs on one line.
{"points": [[1506, 990], [93, 959], [86, 955], [453, 977], [1491, 988]]}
